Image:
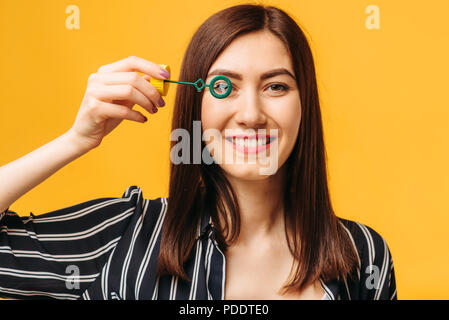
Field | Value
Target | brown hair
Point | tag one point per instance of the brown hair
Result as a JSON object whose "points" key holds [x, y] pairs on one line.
{"points": [[319, 244]]}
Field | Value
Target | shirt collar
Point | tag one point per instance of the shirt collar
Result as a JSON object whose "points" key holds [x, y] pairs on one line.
{"points": [[206, 227], [206, 230]]}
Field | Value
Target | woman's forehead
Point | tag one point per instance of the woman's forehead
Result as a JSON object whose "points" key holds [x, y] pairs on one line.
{"points": [[236, 75], [248, 55]]}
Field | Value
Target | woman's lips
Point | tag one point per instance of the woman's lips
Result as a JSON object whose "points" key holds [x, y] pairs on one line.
{"points": [[251, 144]]}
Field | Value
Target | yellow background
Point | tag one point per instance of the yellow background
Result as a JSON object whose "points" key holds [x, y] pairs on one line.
{"points": [[384, 100]]}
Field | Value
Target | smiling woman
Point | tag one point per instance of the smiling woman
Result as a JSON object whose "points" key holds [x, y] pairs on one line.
{"points": [[226, 231], [281, 225]]}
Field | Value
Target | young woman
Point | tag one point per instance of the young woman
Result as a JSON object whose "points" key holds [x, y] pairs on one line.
{"points": [[226, 231]]}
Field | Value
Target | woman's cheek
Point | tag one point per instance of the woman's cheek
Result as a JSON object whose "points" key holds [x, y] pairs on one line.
{"points": [[213, 116], [212, 126], [288, 119]]}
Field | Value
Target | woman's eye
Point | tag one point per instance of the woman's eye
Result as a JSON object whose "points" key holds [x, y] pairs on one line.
{"points": [[279, 87], [220, 87]]}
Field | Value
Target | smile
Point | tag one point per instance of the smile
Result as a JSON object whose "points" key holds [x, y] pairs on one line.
{"points": [[251, 144]]}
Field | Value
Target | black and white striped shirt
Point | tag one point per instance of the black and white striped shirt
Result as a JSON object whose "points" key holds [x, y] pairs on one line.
{"points": [[107, 248]]}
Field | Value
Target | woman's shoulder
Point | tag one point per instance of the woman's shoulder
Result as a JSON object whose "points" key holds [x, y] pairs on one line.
{"points": [[361, 232], [375, 266], [371, 245], [135, 190], [133, 197]]}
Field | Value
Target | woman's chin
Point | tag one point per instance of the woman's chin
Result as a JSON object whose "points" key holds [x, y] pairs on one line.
{"points": [[250, 172]]}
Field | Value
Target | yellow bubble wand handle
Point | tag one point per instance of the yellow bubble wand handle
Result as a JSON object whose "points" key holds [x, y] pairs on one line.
{"points": [[161, 85]]}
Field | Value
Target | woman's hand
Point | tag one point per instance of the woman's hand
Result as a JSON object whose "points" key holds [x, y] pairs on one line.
{"points": [[110, 96]]}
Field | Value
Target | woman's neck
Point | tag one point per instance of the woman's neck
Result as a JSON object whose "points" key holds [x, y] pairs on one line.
{"points": [[261, 208]]}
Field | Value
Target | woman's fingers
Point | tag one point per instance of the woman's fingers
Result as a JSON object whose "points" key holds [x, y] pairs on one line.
{"points": [[125, 103], [137, 64], [160, 101], [139, 82], [105, 110], [111, 94], [108, 93], [134, 63]]}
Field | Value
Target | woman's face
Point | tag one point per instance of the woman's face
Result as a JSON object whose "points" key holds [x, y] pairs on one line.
{"points": [[264, 96]]}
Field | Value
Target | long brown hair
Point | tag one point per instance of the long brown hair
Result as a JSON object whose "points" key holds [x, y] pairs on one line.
{"points": [[319, 243]]}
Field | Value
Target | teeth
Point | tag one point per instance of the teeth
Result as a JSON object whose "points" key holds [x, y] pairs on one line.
{"points": [[249, 142]]}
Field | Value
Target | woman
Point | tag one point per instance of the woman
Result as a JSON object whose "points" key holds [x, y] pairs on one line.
{"points": [[226, 231]]}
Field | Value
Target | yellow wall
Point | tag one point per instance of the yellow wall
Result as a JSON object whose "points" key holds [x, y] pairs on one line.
{"points": [[384, 96]]}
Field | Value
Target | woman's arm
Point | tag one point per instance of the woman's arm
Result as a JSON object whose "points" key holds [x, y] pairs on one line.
{"points": [[61, 254], [23, 174], [110, 96]]}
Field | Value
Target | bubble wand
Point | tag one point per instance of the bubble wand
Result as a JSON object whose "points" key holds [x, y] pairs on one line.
{"points": [[162, 85]]}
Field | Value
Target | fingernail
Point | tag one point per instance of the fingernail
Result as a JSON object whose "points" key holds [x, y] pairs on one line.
{"points": [[161, 102], [164, 73], [154, 109], [145, 119]]}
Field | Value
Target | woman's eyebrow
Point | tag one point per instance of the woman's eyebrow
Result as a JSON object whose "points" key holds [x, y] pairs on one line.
{"points": [[263, 76]]}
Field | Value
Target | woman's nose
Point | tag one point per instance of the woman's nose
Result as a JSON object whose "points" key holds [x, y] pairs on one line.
{"points": [[250, 112]]}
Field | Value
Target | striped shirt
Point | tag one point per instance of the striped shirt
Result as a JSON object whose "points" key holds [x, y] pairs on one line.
{"points": [[108, 248]]}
